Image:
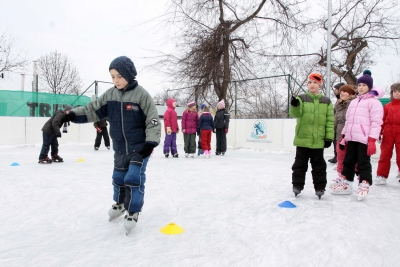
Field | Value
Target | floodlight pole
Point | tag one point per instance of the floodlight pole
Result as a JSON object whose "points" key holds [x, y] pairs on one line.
{"points": [[328, 51]]}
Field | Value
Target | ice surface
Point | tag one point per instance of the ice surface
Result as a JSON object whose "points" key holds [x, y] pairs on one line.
{"points": [[56, 214]]}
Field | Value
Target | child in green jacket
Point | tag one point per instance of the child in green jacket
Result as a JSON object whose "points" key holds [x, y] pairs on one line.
{"points": [[314, 132]]}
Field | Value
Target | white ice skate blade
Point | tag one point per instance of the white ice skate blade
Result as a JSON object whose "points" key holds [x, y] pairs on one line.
{"points": [[116, 217], [342, 192]]}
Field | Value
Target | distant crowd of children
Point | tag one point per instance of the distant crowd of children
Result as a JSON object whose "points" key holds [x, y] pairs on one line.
{"points": [[203, 124]]}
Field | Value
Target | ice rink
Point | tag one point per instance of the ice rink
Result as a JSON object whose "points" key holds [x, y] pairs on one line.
{"points": [[56, 214]]}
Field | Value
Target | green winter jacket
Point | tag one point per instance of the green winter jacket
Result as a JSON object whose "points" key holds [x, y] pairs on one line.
{"points": [[315, 120]]}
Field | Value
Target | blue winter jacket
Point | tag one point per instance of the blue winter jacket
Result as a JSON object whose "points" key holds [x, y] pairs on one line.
{"points": [[206, 122], [132, 115]]}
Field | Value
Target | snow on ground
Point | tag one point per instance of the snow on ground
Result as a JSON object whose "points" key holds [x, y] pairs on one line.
{"points": [[56, 215]]}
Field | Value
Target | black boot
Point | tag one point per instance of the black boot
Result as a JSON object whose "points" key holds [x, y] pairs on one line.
{"points": [[333, 160]]}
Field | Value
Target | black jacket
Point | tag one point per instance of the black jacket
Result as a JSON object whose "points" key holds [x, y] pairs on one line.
{"points": [[53, 125], [221, 119]]}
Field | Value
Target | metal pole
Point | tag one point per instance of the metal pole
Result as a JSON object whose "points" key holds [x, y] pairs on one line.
{"points": [[23, 82], [328, 51], [288, 95], [235, 99], [96, 92]]}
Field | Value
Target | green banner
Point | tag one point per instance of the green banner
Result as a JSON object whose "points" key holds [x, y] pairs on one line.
{"points": [[33, 104]]}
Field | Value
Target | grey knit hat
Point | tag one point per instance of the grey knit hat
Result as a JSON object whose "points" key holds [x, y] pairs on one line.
{"points": [[125, 67], [67, 107]]}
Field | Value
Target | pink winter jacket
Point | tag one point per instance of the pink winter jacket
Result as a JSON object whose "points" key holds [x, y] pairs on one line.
{"points": [[364, 117], [170, 117], [189, 122]]}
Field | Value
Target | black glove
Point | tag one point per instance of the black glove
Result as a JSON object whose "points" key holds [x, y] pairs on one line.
{"points": [[327, 144], [58, 135], [294, 102], [146, 150], [70, 116], [198, 133]]}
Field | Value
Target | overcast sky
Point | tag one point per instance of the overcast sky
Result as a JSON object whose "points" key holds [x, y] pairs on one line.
{"points": [[92, 33]]}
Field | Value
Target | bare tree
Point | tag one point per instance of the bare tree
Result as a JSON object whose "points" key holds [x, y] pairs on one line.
{"points": [[10, 60], [58, 75], [219, 41]]}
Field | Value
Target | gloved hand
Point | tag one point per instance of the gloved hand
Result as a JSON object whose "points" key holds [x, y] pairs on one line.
{"points": [[177, 130], [58, 135], [146, 150], [226, 130], [70, 116], [169, 130], [198, 133], [214, 131], [183, 130], [342, 143], [294, 102], [371, 146], [380, 139], [98, 129], [327, 143]]}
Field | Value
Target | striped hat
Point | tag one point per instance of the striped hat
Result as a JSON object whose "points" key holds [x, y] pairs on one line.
{"points": [[191, 104]]}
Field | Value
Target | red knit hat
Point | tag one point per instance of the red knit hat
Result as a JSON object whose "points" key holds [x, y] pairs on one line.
{"points": [[316, 77], [348, 89]]}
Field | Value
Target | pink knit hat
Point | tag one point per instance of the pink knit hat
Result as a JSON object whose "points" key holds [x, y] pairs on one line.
{"points": [[191, 104], [221, 104]]}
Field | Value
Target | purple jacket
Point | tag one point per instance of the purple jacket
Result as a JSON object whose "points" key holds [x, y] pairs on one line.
{"points": [[189, 122], [363, 118]]}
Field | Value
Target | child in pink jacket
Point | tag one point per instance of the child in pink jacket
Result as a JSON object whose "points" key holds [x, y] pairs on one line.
{"points": [[171, 129], [189, 129], [360, 132]]}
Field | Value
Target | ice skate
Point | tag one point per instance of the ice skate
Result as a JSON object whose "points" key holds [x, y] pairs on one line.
{"points": [[200, 152], [108, 148], [380, 180], [45, 160], [186, 155], [166, 155], [296, 190], [319, 192], [96, 148], [176, 155], [57, 158], [191, 155], [116, 211], [363, 190], [336, 181], [217, 153], [343, 188], [130, 221], [223, 153]]}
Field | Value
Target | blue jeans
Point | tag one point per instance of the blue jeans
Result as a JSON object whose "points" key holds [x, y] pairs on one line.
{"points": [[128, 180], [49, 140]]}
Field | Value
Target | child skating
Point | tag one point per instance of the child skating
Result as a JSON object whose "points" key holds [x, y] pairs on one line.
{"points": [[189, 129], [171, 129], [135, 130], [205, 127]]}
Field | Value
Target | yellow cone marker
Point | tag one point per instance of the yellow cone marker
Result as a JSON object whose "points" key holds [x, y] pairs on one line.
{"points": [[172, 229], [81, 160]]}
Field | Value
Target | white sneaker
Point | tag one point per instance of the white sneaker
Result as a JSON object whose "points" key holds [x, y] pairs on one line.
{"points": [[380, 180], [116, 211], [335, 167], [363, 190], [186, 155], [343, 188], [130, 221]]}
